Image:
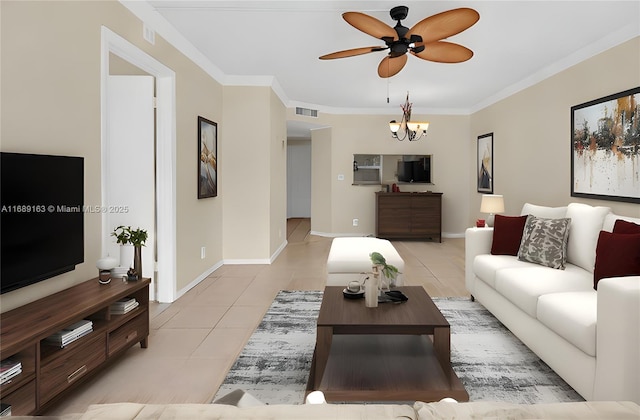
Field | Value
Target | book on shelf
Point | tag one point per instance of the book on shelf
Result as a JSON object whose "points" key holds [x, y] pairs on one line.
{"points": [[123, 306], [9, 368], [5, 410], [70, 333]]}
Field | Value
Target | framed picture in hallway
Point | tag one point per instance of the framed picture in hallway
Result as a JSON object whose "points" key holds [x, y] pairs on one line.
{"points": [[485, 163], [605, 148], [207, 158]]}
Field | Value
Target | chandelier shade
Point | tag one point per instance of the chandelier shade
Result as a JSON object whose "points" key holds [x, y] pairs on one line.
{"points": [[407, 129]]}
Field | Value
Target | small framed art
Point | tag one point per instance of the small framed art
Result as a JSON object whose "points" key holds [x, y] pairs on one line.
{"points": [[207, 158], [485, 163]]}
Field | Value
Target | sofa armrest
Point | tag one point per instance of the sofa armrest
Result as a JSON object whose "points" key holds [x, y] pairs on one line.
{"points": [[477, 241], [618, 339]]}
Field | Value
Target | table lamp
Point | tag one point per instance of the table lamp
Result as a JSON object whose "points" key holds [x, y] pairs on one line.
{"points": [[491, 204]]}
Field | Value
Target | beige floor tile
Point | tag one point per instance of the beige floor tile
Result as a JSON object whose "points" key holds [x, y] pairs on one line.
{"points": [[197, 316], [242, 317], [175, 342], [222, 343]]}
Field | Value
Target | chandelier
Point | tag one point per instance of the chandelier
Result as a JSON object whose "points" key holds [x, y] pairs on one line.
{"points": [[413, 130]]}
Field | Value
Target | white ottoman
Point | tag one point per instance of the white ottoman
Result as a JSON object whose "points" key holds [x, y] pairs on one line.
{"points": [[349, 258]]}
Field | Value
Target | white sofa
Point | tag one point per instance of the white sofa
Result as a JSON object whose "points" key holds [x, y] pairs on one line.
{"points": [[419, 411], [591, 338]]}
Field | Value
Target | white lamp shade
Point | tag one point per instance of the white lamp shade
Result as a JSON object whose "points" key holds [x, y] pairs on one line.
{"points": [[394, 126], [418, 126], [492, 203]]}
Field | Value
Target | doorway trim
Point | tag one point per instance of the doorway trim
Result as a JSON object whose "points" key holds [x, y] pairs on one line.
{"points": [[165, 80]]}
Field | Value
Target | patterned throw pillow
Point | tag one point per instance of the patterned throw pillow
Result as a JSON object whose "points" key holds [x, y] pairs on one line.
{"points": [[544, 241]]}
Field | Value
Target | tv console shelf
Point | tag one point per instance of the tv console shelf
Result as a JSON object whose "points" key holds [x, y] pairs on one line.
{"points": [[48, 371]]}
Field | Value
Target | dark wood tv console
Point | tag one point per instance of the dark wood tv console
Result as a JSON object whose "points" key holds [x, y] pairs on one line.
{"points": [[48, 371], [409, 215]]}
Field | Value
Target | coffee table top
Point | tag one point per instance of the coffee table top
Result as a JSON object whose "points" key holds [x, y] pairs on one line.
{"points": [[419, 311]]}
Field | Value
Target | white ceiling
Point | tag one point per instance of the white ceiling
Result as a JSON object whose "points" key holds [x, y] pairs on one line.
{"points": [[277, 43]]}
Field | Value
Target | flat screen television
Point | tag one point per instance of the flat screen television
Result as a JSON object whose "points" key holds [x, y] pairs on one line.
{"points": [[41, 219], [418, 171]]}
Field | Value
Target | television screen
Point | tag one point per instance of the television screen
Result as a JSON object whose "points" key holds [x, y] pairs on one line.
{"points": [[41, 219], [418, 171]]}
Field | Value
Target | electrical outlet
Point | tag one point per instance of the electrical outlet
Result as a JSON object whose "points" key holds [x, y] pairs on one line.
{"points": [[203, 253], [355, 222]]}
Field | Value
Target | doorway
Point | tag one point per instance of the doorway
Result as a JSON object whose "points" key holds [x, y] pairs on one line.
{"points": [[165, 174]]}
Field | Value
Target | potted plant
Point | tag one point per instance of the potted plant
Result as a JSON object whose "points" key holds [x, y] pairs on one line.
{"points": [[131, 238]]}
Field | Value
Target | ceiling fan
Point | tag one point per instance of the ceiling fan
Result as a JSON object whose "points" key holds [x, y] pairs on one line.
{"points": [[424, 40]]}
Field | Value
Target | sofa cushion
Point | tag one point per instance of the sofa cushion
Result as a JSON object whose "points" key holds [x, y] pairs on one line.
{"points": [[573, 316], [623, 226], [485, 266], [275, 411], [523, 286], [586, 224], [507, 234], [543, 211], [617, 255], [544, 241], [583, 410]]}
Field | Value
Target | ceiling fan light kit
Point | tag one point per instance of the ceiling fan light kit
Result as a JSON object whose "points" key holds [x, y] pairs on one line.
{"points": [[424, 40]]}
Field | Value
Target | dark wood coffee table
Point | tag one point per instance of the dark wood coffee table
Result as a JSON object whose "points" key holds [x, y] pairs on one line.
{"points": [[395, 352]]}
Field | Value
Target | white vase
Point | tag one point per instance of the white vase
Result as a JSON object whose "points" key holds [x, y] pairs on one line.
{"points": [[371, 291], [126, 256]]}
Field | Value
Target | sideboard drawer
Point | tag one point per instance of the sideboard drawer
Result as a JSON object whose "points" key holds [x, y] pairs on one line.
{"points": [[130, 333], [62, 372]]}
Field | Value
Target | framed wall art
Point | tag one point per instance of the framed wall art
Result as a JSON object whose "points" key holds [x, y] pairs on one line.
{"points": [[207, 158], [485, 163], [605, 148]]}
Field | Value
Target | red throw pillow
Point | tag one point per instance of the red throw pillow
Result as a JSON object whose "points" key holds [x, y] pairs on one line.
{"points": [[617, 255], [622, 226], [507, 234]]}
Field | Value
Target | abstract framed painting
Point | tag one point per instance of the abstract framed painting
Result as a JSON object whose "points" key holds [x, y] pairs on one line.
{"points": [[485, 163], [207, 158], [605, 148]]}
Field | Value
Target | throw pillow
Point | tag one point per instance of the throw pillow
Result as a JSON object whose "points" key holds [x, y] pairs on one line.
{"points": [[622, 226], [507, 234], [586, 224], [544, 211], [617, 255], [544, 241]]}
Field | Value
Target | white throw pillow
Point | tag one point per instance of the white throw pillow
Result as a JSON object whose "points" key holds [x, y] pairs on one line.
{"points": [[543, 211], [586, 224]]}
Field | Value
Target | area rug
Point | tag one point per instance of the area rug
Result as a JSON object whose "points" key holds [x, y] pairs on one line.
{"points": [[490, 361]]}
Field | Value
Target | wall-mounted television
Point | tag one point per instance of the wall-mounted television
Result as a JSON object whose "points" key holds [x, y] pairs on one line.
{"points": [[418, 170], [41, 219]]}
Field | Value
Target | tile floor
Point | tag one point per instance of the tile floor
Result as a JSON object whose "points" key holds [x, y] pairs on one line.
{"points": [[194, 341]]}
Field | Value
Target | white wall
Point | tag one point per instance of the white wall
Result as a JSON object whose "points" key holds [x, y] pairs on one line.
{"points": [[298, 178]]}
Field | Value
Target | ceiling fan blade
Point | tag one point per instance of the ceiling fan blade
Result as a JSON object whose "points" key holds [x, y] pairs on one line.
{"points": [[443, 52], [390, 66], [351, 52], [370, 25], [445, 24]]}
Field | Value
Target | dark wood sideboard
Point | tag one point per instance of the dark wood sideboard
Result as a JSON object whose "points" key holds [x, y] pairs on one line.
{"points": [[48, 371], [409, 215]]}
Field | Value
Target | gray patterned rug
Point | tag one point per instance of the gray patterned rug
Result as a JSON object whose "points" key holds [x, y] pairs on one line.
{"points": [[491, 362]]}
